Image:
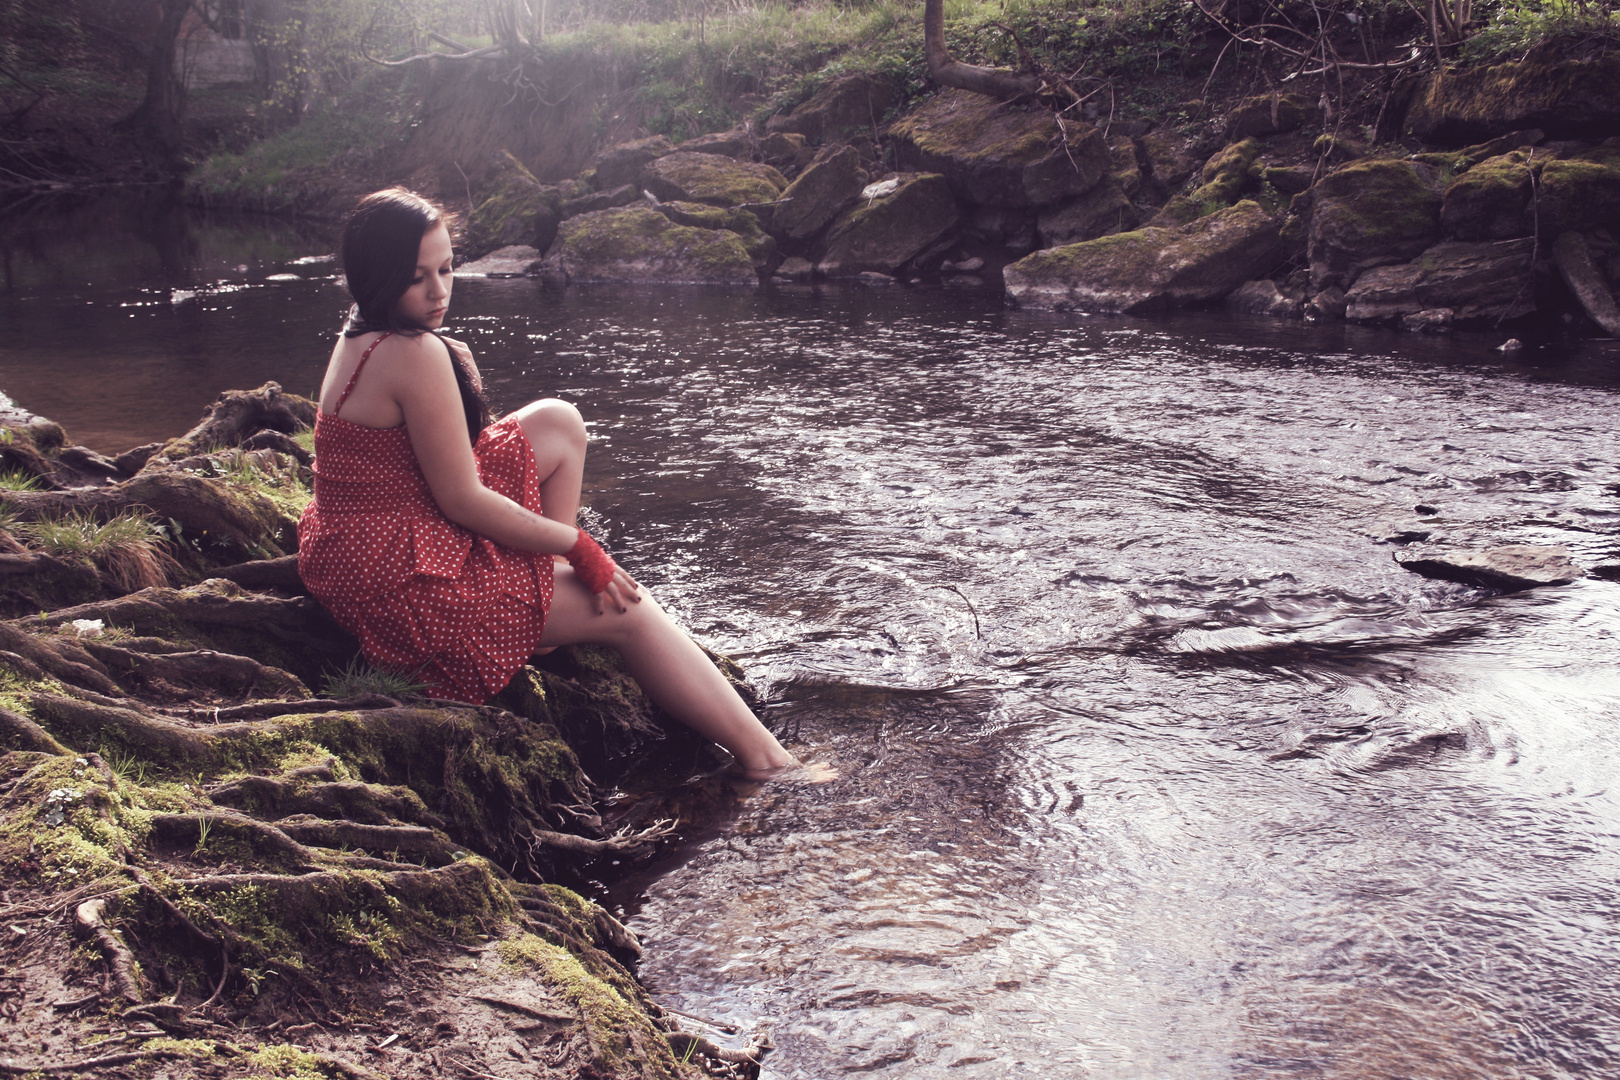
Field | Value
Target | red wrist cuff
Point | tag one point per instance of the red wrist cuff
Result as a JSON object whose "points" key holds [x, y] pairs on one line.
{"points": [[593, 565]]}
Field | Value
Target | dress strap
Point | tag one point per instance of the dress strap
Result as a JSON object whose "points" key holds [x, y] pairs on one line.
{"points": [[357, 369]]}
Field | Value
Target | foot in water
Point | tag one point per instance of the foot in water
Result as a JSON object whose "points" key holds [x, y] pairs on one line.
{"points": [[794, 772]]}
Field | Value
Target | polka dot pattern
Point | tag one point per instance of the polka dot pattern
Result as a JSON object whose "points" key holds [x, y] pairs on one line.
{"points": [[452, 609]]}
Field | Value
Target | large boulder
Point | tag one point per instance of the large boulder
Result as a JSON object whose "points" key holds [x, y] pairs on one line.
{"points": [[845, 105], [622, 164], [996, 156], [1565, 98], [1371, 213], [1491, 201], [760, 247], [1099, 212], [513, 208], [1478, 282], [1578, 194], [713, 179], [637, 243], [820, 194], [894, 221], [1151, 269]]}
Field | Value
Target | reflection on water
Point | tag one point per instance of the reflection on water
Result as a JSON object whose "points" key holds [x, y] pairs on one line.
{"points": [[1155, 764]]}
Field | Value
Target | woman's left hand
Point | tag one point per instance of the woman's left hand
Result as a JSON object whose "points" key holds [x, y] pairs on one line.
{"points": [[621, 592]]}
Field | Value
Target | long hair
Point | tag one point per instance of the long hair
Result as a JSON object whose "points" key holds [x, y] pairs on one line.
{"points": [[380, 242]]}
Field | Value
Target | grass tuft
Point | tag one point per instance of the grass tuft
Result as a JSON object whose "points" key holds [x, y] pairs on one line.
{"points": [[359, 679], [128, 548]]}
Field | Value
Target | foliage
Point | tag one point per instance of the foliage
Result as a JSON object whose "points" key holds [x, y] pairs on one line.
{"points": [[1509, 28]]}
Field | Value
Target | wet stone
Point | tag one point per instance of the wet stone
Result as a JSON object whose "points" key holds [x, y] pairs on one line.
{"points": [[1510, 568]]}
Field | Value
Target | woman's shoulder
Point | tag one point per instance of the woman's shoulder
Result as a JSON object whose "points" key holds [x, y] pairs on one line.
{"points": [[403, 348]]}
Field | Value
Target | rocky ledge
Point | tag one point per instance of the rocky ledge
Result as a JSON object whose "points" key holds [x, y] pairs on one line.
{"points": [[230, 849], [1498, 204]]}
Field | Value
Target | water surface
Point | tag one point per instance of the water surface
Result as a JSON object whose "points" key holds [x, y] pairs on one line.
{"points": [[1156, 765]]}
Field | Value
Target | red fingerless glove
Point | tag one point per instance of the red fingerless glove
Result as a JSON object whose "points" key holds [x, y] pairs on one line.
{"points": [[593, 565]]}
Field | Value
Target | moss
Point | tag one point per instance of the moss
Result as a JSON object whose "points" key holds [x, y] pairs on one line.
{"points": [[619, 1027], [638, 243]]}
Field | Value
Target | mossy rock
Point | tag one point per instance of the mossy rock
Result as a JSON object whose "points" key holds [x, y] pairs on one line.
{"points": [[884, 232], [1103, 210], [1224, 176], [712, 179], [637, 243], [513, 208], [1564, 98], [1269, 114], [624, 163], [1482, 284], [1151, 269], [760, 246], [1372, 212], [1579, 196], [846, 105], [1491, 201], [820, 194], [994, 154]]}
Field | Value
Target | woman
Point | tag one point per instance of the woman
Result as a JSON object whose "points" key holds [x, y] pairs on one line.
{"points": [[433, 532]]}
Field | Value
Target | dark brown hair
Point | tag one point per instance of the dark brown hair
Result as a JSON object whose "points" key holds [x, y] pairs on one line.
{"points": [[380, 243]]}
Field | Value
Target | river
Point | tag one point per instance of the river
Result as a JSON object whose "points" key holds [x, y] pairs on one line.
{"points": [[1155, 764]]}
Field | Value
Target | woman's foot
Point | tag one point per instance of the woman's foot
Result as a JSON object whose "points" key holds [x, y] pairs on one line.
{"points": [[794, 772]]}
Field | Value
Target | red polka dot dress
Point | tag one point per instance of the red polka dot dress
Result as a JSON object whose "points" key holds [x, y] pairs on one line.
{"points": [[427, 598]]}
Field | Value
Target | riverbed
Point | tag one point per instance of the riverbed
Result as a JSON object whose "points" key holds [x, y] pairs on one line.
{"points": [[1154, 763]]}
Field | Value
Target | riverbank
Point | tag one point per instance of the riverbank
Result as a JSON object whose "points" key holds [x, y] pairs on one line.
{"points": [[230, 845]]}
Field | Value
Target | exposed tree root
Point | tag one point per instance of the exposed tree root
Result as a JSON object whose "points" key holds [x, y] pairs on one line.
{"points": [[90, 919], [237, 850]]}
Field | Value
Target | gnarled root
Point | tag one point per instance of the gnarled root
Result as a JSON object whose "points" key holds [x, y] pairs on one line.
{"points": [[90, 919]]}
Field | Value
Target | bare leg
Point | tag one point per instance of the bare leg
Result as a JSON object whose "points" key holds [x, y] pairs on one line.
{"points": [[674, 673], [557, 434]]}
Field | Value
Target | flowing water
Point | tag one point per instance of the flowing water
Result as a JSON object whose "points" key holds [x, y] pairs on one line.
{"points": [[1155, 764]]}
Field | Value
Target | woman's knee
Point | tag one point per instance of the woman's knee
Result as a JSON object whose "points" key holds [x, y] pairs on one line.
{"points": [[553, 420]]}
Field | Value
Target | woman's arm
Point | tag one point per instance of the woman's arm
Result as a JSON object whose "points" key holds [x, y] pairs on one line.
{"points": [[422, 381]]}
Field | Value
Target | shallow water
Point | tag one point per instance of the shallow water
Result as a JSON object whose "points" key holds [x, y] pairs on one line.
{"points": [[1155, 764]]}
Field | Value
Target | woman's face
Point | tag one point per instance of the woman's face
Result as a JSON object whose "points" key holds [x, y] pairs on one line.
{"points": [[428, 298]]}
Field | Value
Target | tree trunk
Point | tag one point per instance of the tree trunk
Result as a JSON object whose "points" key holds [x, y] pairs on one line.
{"points": [[947, 71], [159, 114]]}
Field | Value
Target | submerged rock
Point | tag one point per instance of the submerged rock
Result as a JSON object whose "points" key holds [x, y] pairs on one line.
{"points": [[1478, 282], [1151, 269], [894, 225], [1371, 213], [712, 179], [995, 155], [1513, 567], [637, 243]]}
